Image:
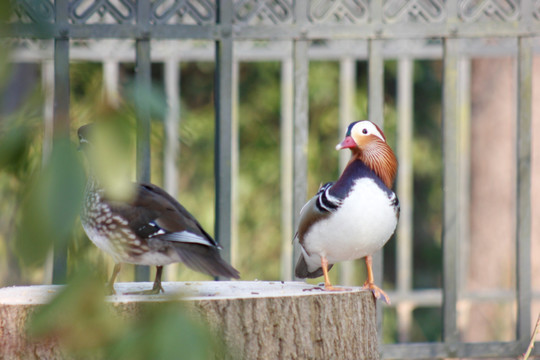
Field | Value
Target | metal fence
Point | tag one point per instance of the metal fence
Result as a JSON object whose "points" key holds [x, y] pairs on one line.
{"points": [[295, 33]]}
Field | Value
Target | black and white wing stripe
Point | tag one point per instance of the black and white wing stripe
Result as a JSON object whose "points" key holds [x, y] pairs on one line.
{"points": [[153, 230], [325, 201], [394, 202]]}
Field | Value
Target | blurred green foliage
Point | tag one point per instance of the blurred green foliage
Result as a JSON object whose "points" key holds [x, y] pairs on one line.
{"points": [[41, 194], [166, 331], [87, 326], [50, 206]]}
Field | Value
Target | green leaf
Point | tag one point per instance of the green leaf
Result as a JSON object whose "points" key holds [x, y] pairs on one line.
{"points": [[78, 317], [52, 204], [14, 146], [165, 331]]}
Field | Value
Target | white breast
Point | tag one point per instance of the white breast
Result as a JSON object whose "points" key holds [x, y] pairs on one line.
{"points": [[360, 227]]}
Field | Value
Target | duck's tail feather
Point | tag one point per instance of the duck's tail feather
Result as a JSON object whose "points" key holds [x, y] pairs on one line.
{"points": [[205, 259], [302, 271]]}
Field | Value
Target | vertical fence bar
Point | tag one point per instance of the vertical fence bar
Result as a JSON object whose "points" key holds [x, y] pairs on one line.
{"points": [[464, 168], [376, 82], [450, 229], [450, 191], [47, 71], [376, 115], [404, 246], [301, 124], [111, 94], [61, 110], [61, 71], [464, 185], [235, 159], [172, 120], [223, 138], [143, 85], [347, 91], [171, 150], [287, 230], [523, 191], [376, 69], [143, 68]]}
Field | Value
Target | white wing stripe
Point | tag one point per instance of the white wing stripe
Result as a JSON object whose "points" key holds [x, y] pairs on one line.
{"points": [[187, 237]]}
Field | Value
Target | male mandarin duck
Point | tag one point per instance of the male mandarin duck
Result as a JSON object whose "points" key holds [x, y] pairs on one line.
{"points": [[355, 216], [150, 229]]}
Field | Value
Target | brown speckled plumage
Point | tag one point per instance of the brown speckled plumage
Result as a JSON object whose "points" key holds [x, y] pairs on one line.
{"points": [[150, 229]]}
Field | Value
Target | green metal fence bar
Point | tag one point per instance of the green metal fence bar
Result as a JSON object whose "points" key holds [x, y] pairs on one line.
{"points": [[235, 160], [417, 49], [440, 350], [309, 31], [301, 124], [171, 151], [47, 83], [376, 115], [286, 164], [143, 87], [111, 75], [61, 112], [523, 199], [223, 129], [376, 82], [450, 193], [61, 71], [404, 244], [171, 146], [347, 92], [523, 193], [464, 169]]}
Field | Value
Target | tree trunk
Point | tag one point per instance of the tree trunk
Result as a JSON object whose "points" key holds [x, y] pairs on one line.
{"points": [[493, 236], [256, 320], [492, 246]]}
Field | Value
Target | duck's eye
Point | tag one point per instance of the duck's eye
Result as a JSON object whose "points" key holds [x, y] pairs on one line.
{"points": [[364, 131]]}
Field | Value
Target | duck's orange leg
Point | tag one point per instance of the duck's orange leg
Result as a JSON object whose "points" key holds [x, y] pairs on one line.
{"points": [[110, 285], [370, 284], [327, 285]]}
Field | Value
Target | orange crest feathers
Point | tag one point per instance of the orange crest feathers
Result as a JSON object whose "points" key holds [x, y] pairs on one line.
{"points": [[379, 157]]}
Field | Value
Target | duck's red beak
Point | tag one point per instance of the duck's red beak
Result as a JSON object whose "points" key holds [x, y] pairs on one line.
{"points": [[348, 142]]}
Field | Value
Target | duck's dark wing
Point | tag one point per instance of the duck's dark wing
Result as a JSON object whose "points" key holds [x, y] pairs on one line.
{"points": [[172, 217], [316, 209], [154, 215]]}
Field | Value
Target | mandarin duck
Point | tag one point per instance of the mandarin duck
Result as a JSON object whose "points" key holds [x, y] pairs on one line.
{"points": [[355, 216], [152, 228]]}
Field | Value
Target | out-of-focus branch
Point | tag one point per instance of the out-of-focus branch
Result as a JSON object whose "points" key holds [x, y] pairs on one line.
{"points": [[533, 337]]}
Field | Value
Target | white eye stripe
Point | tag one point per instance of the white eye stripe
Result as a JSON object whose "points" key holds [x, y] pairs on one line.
{"points": [[366, 127]]}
